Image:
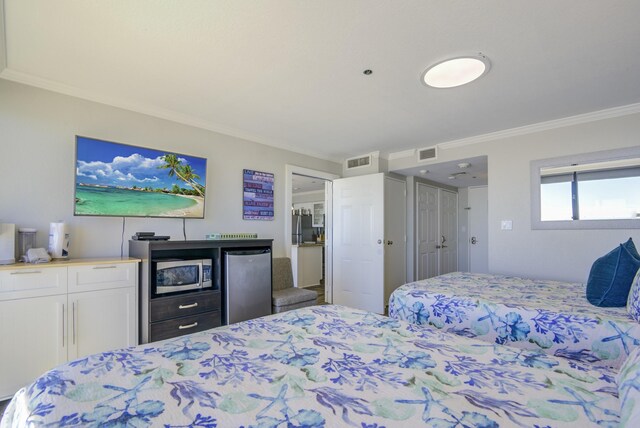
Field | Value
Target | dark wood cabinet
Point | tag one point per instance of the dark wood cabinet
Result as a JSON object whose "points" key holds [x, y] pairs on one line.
{"points": [[166, 316], [184, 305], [184, 325]]}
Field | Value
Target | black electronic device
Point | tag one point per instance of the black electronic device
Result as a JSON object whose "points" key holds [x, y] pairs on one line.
{"points": [[153, 237], [145, 234]]}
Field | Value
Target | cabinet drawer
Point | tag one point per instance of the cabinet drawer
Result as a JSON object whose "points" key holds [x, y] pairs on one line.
{"points": [[102, 276], [165, 308], [185, 325], [32, 282]]}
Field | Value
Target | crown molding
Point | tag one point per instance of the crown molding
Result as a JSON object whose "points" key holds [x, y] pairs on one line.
{"points": [[149, 110], [529, 129], [545, 126]]}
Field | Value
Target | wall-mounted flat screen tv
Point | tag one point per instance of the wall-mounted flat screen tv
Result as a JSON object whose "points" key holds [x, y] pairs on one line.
{"points": [[120, 180]]}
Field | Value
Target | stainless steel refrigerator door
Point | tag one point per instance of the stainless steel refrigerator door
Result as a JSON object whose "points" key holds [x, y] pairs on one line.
{"points": [[248, 285]]}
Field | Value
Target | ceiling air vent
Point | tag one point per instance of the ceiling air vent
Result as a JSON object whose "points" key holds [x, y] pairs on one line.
{"points": [[358, 162], [427, 154]]}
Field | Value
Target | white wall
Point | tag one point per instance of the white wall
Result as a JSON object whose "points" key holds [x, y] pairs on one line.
{"points": [[37, 143], [555, 254], [299, 198]]}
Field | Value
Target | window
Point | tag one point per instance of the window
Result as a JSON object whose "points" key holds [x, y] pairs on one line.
{"points": [[595, 190]]}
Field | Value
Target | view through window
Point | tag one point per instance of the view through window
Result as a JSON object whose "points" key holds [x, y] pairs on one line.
{"points": [[596, 191]]}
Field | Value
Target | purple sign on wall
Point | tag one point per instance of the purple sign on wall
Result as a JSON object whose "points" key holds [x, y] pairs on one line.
{"points": [[258, 195]]}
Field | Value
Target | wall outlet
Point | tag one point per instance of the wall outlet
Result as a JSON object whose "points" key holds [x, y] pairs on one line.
{"points": [[506, 225]]}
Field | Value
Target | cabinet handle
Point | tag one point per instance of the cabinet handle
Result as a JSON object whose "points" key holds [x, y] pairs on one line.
{"points": [[73, 318], [183, 327], [193, 305], [63, 325], [28, 272], [105, 267]]}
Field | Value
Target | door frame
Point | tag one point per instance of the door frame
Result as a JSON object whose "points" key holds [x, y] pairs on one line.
{"points": [[328, 228]]}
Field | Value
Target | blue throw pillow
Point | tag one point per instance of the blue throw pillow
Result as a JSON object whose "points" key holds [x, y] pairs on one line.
{"points": [[611, 276]]}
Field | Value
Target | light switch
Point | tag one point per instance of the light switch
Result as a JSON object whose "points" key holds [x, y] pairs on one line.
{"points": [[506, 225]]}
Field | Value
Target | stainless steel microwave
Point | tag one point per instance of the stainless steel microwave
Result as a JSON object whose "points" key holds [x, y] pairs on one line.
{"points": [[181, 275]]}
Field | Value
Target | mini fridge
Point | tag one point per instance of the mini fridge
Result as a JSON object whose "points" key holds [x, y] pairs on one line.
{"points": [[247, 284]]}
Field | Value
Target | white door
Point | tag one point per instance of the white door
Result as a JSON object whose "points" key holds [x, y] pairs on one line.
{"points": [[358, 250], [448, 213], [427, 231], [101, 321], [478, 229], [32, 340], [328, 242], [395, 225]]}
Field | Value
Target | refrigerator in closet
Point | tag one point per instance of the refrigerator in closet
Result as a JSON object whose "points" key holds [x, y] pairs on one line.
{"points": [[247, 284]]}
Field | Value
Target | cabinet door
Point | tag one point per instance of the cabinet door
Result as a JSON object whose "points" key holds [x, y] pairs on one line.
{"points": [[101, 321], [318, 214], [309, 265], [32, 340]]}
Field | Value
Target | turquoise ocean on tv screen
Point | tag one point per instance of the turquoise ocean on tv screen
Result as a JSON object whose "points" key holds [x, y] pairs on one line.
{"points": [[125, 202]]}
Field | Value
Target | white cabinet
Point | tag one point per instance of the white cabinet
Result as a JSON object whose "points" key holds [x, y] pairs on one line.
{"points": [[53, 313], [318, 214], [306, 261], [32, 340], [101, 320]]}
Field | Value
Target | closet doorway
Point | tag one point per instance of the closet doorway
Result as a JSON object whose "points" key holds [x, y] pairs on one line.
{"points": [[436, 231]]}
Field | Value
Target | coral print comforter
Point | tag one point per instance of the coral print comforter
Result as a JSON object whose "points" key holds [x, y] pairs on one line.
{"points": [[320, 366], [532, 314]]}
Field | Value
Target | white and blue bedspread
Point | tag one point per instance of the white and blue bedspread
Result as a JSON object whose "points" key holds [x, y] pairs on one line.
{"points": [[320, 366], [532, 314]]}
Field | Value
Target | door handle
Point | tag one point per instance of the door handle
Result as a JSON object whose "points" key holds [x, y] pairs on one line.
{"points": [[473, 240], [443, 240]]}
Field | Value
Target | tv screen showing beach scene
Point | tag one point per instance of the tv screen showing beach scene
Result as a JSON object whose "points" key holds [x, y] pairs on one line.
{"points": [[121, 180]]}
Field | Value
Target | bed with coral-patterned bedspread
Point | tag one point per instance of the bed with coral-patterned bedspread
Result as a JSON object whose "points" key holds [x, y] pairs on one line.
{"points": [[320, 366], [551, 316]]}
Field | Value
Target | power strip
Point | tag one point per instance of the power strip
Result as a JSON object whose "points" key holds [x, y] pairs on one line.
{"points": [[232, 236]]}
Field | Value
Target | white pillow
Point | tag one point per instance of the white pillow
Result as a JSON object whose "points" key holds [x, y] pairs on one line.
{"points": [[633, 301]]}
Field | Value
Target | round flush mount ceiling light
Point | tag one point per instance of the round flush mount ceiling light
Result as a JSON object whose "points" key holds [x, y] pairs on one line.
{"points": [[456, 71]]}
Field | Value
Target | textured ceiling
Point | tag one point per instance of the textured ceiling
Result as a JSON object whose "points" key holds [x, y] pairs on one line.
{"points": [[289, 73]]}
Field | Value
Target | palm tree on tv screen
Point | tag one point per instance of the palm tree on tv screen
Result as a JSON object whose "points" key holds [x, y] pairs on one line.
{"points": [[183, 172]]}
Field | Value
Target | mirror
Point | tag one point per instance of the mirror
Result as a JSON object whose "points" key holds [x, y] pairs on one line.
{"points": [[599, 190]]}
